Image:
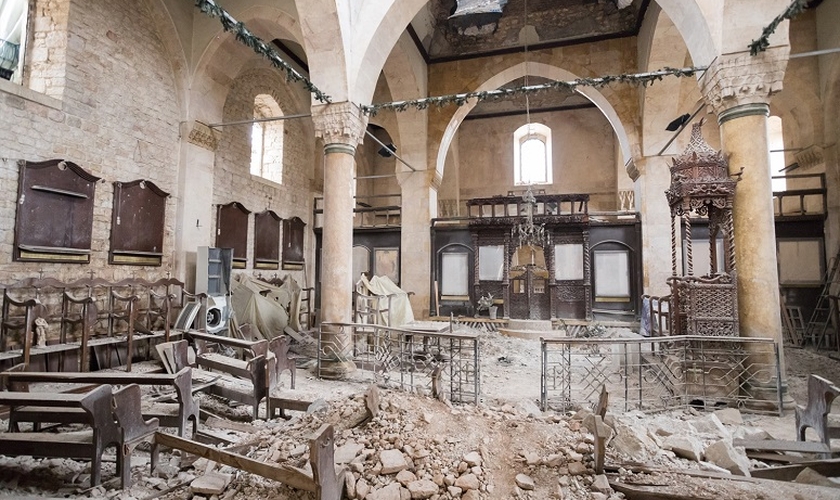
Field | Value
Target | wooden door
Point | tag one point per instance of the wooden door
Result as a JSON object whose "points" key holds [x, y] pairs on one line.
{"points": [[529, 297]]}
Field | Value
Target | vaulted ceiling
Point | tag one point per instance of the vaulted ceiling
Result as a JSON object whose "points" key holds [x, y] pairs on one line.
{"points": [[487, 27]]}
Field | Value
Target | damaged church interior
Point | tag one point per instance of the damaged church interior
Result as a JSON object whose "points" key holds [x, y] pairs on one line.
{"points": [[420, 249]]}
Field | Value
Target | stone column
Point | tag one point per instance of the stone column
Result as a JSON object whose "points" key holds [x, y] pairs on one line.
{"points": [[738, 87], [419, 206], [194, 197], [652, 177], [342, 127]]}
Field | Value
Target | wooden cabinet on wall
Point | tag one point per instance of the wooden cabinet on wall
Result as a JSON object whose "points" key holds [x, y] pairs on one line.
{"points": [[232, 231], [54, 221], [267, 240], [137, 223], [293, 258]]}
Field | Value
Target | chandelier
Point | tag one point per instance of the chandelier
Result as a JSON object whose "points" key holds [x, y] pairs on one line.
{"points": [[526, 233]]}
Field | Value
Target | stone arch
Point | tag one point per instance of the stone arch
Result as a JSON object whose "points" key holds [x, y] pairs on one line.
{"points": [[217, 68], [695, 26], [533, 69], [404, 73], [666, 47], [232, 159], [169, 36], [382, 23]]}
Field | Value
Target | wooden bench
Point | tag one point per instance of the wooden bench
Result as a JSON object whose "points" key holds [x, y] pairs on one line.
{"points": [[821, 394], [112, 418], [248, 381], [179, 414]]}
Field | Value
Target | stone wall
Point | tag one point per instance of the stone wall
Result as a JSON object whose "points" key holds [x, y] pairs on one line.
{"points": [[232, 178], [583, 151], [112, 109]]}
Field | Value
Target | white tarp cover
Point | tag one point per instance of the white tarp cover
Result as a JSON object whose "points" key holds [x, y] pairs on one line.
{"points": [[400, 311], [267, 308]]}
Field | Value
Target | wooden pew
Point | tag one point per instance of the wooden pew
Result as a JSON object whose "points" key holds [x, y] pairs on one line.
{"points": [[178, 414], [112, 418], [83, 315], [821, 393], [247, 381]]}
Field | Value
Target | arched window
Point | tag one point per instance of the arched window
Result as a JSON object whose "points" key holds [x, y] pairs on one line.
{"points": [[267, 140], [532, 154]]}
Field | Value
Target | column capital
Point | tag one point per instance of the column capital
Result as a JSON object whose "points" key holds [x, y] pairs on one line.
{"points": [[740, 79], [339, 123]]}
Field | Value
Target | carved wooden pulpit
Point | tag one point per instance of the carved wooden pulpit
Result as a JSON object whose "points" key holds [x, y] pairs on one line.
{"points": [[701, 187]]}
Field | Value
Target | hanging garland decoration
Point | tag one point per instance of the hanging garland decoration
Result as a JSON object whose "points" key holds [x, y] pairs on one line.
{"points": [[244, 36], [793, 10], [643, 79]]}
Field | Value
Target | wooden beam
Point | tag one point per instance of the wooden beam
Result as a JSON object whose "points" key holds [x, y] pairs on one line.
{"points": [[779, 445], [286, 474], [828, 468]]}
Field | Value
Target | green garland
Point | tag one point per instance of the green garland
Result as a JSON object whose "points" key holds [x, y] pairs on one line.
{"points": [[256, 44], [643, 79], [763, 41]]}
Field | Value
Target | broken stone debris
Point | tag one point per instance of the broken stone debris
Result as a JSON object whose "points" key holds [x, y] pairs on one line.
{"points": [[398, 456]]}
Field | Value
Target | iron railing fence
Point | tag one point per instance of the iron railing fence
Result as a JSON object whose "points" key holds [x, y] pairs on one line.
{"points": [[420, 361], [662, 373]]}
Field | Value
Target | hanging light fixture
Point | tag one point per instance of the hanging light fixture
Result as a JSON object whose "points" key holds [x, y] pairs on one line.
{"points": [[526, 233], [472, 7]]}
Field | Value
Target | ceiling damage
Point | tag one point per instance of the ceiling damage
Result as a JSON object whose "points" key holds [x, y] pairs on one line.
{"points": [[451, 30]]}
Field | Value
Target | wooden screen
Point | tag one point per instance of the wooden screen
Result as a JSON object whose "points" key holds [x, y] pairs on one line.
{"points": [[137, 223], [267, 240], [232, 231], [54, 221], [293, 243]]}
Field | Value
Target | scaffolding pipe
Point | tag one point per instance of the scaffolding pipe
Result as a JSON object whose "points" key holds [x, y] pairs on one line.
{"points": [[259, 120]]}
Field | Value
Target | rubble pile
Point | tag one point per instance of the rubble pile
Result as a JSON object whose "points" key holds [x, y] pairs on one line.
{"points": [[421, 448]]}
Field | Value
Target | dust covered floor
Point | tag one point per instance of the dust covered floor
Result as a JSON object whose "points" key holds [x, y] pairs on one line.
{"points": [[502, 448]]}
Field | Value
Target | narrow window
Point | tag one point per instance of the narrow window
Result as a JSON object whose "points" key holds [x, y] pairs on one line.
{"points": [[267, 140], [532, 154]]}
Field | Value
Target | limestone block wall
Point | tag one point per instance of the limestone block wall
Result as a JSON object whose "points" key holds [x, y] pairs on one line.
{"points": [[583, 151], [232, 178], [114, 112], [608, 57]]}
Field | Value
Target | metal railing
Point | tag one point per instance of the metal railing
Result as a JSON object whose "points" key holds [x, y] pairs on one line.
{"points": [[420, 361], [662, 373]]}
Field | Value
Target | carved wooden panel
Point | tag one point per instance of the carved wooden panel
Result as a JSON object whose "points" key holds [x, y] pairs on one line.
{"points": [[54, 220], [267, 240], [232, 231], [137, 223], [293, 243]]}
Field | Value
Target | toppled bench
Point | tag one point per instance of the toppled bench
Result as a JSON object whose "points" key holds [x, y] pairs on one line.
{"points": [[821, 394], [324, 481], [244, 380], [112, 418], [179, 414]]}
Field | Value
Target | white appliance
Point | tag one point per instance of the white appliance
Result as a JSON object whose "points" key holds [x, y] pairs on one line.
{"points": [[217, 313]]}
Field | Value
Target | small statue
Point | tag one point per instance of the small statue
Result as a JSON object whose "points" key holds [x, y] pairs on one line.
{"points": [[41, 332]]}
